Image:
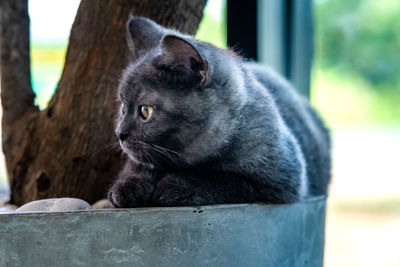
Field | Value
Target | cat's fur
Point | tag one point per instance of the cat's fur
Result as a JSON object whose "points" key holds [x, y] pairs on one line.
{"points": [[222, 131]]}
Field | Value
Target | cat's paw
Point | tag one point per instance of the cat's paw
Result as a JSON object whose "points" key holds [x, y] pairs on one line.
{"points": [[174, 191], [131, 193]]}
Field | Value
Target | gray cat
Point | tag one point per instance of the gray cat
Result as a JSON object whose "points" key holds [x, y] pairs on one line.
{"points": [[201, 126]]}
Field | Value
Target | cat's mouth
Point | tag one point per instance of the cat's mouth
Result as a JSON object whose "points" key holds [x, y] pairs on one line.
{"points": [[135, 150], [143, 152]]}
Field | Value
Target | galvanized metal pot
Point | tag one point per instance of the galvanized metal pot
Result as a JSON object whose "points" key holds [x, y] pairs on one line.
{"points": [[222, 235]]}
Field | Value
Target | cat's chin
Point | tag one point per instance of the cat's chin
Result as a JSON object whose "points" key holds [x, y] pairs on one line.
{"points": [[136, 160], [128, 152]]}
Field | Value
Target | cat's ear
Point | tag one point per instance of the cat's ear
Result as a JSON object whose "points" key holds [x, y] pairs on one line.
{"points": [[142, 34], [179, 52]]}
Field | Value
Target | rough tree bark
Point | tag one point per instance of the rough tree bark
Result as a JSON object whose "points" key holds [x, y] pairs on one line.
{"points": [[66, 150]]}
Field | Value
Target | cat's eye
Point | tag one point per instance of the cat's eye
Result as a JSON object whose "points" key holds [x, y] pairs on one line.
{"points": [[145, 112]]}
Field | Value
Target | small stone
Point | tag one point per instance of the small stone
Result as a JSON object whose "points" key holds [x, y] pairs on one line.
{"points": [[102, 204], [56, 204]]}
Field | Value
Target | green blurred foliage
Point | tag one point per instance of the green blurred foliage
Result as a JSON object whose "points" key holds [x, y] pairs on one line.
{"points": [[357, 61], [362, 37], [212, 28]]}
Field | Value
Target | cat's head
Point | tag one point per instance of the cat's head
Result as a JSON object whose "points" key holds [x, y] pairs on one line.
{"points": [[177, 103]]}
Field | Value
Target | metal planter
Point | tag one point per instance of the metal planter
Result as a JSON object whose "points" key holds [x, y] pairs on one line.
{"points": [[221, 235]]}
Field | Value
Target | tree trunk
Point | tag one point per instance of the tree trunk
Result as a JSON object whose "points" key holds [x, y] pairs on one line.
{"points": [[67, 149]]}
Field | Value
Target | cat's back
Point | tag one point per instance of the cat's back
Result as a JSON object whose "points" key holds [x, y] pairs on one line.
{"points": [[304, 124]]}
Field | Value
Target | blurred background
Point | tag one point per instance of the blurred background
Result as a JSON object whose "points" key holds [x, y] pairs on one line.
{"points": [[354, 83]]}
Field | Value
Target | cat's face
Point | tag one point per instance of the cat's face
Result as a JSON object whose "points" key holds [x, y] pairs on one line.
{"points": [[169, 112]]}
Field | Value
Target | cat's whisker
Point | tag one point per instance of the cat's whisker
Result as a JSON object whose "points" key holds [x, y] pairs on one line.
{"points": [[167, 150], [151, 159], [109, 149], [161, 154], [172, 151], [165, 153]]}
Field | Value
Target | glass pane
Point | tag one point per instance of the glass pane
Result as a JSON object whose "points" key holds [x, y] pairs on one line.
{"points": [[356, 87]]}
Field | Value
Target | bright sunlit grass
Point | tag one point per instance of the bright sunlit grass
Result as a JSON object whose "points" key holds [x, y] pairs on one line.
{"points": [[47, 62]]}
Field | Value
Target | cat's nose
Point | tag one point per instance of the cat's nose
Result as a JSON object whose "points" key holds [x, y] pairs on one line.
{"points": [[122, 136]]}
